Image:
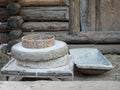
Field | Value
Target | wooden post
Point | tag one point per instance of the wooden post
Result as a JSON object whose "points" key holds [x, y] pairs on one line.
{"points": [[74, 16]]}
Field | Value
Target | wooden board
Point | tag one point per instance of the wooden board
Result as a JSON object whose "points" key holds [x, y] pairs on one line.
{"points": [[45, 26], [37, 2], [40, 13], [104, 48], [100, 15], [38, 26]]}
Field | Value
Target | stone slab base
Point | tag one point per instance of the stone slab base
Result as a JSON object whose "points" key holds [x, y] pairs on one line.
{"points": [[13, 69]]}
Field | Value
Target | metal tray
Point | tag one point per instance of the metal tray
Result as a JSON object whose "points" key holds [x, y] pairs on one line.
{"points": [[90, 61]]}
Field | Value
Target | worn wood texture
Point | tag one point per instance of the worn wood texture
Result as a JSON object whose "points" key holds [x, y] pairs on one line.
{"points": [[45, 26], [37, 2], [104, 48], [42, 2], [40, 13], [100, 15], [45, 13], [74, 16], [92, 37], [108, 37], [38, 26], [4, 37]]}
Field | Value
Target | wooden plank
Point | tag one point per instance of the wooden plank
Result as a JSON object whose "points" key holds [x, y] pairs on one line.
{"points": [[110, 13], [92, 38], [74, 16], [45, 26], [3, 14], [40, 13], [100, 15], [37, 2], [45, 13], [108, 37], [88, 15], [42, 2], [104, 48], [3, 2], [39, 26]]}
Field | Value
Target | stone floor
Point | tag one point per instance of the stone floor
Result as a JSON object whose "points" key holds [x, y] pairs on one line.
{"points": [[113, 75], [47, 85]]}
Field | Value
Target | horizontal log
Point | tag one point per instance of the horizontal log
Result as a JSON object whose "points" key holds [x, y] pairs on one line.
{"points": [[38, 26], [92, 37], [4, 38], [45, 26], [4, 27], [3, 14], [89, 37], [104, 48], [37, 2], [40, 13]]}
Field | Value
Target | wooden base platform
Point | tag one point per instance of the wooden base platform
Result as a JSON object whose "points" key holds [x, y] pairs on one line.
{"points": [[12, 70]]}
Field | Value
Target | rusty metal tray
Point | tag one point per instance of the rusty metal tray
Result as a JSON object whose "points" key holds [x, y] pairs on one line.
{"points": [[90, 61]]}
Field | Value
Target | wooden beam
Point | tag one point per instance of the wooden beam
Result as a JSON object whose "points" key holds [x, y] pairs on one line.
{"points": [[74, 16], [104, 48], [45, 26], [92, 38], [40, 13], [37, 2]]}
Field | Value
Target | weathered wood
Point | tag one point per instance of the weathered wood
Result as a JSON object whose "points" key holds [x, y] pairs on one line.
{"points": [[15, 22], [40, 13], [45, 26], [45, 13], [104, 48], [3, 27], [92, 37], [100, 15], [74, 16], [4, 37], [13, 8], [42, 2], [108, 37], [39, 26], [3, 2], [36, 2], [3, 14]]}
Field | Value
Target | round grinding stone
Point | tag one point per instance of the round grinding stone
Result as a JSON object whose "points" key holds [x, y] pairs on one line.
{"points": [[59, 49], [62, 61]]}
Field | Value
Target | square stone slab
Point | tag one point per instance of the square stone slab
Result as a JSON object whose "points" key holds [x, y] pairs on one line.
{"points": [[13, 69]]}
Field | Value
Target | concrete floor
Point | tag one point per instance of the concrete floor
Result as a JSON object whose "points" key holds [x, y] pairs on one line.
{"points": [[47, 85]]}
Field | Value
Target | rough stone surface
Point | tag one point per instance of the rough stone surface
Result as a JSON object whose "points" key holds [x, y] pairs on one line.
{"points": [[55, 85], [24, 54], [46, 64]]}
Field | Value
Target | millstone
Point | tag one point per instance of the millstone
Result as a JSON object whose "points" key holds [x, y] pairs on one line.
{"points": [[59, 49], [55, 63], [38, 41]]}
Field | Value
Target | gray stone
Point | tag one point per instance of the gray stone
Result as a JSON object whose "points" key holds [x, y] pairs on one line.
{"points": [[60, 49], [46, 64]]}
